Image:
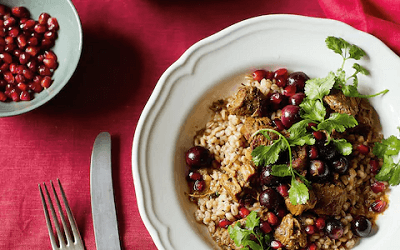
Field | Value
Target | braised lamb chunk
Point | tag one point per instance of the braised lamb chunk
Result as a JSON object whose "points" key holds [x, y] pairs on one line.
{"points": [[231, 185], [330, 198], [300, 158], [300, 208], [290, 233], [248, 101], [340, 103], [252, 125], [369, 120]]}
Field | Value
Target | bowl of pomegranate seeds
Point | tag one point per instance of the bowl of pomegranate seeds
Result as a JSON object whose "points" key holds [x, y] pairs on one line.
{"points": [[261, 137], [40, 47]]}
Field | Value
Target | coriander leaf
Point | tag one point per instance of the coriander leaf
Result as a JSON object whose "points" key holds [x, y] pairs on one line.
{"points": [[252, 220], [344, 147], [281, 170], [389, 146], [351, 91], [360, 69], [308, 139], [356, 52], [298, 192], [336, 44], [238, 234], [265, 155], [312, 110], [340, 79], [317, 88], [386, 170], [338, 122], [299, 134], [395, 178], [253, 245]]}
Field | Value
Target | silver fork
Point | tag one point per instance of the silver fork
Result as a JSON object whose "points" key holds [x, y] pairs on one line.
{"points": [[65, 240]]}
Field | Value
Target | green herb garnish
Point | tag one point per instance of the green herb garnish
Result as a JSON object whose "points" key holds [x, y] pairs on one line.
{"points": [[390, 170], [243, 236]]}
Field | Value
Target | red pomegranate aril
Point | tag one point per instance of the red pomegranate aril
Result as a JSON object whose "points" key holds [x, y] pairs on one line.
{"points": [[278, 124], [3, 83], [35, 87], [280, 81], [224, 223], [9, 40], [374, 166], [50, 63], [378, 187], [52, 24], [319, 135], [4, 10], [378, 206], [24, 58], [15, 95], [47, 43], [258, 75], [276, 98], [19, 78], [33, 41], [20, 69], [281, 213], [310, 229], [265, 227], [192, 175], [276, 244], [281, 72], [13, 68], [20, 12], [9, 77], [37, 79], [22, 86], [44, 71], [272, 219], [199, 185], [13, 32], [320, 223], [312, 246], [43, 18], [289, 90], [313, 152], [6, 57], [39, 28], [9, 22], [32, 65], [9, 47], [50, 35], [32, 50], [17, 52], [22, 41], [243, 212], [29, 25], [3, 97], [362, 149], [283, 189], [40, 58], [4, 67], [25, 96]]}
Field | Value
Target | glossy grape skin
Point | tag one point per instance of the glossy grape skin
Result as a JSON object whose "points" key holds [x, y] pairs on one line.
{"points": [[361, 226], [327, 152], [334, 229], [319, 171], [298, 79], [340, 165], [266, 178], [198, 157], [290, 115], [297, 99], [270, 199]]}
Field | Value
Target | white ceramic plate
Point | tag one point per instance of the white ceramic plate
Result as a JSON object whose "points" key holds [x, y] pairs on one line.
{"points": [[211, 69]]}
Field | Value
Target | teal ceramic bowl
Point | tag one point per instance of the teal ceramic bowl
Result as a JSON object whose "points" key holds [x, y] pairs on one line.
{"points": [[68, 48]]}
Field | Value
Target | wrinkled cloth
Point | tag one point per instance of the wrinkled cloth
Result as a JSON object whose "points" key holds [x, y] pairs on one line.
{"points": [[127, 45]]}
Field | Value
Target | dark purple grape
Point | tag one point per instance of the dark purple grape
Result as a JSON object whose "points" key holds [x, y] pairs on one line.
{"points": [[361, 226], [298, 79], [327, 152], [340, 165], [198, 157], [266, 178], [270, 199], [290, 115], [296, 99], [319, 171], [334, 229]]}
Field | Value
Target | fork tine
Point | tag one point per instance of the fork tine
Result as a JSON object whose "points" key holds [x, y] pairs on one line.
{"points": [[62, 217], [48, 223], [74, 227], [55, 220]]}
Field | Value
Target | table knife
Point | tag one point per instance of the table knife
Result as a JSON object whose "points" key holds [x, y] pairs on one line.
{"points": [[102, 195]]}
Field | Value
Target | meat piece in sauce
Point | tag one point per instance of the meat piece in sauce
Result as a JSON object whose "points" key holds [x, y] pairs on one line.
{"points": [[252, 125], [300, 158], [248, 101], [300, 208], [330, 198], [290, 233], [340, 103], [368, 118]]}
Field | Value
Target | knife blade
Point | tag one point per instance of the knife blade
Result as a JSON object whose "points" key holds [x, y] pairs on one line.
{"points": [[102, 195]]}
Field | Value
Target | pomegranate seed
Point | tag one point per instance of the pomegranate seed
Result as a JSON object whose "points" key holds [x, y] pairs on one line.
{"points": [[9, 40], [378, 187], [35, 87], [3, 97], [269, 75], [283, 190], [47, 43], [52, 24], [312, 246], [50, 63], [44, 71], [378, 206], [280, 81], [243, 212], [17, 52], [9, 47], [32, 65], [310, 229], [40, 58], [9, 77], [22, 86], [362, 149], [258, 75], [278, 124], [313, 152], [289, 90], [20, 12], [4, 67], [9, 22], [374, 166], [22, 41], [19, 78], [33, 41], [24, 58], [32, 50], [6, 57], [320, 223], [319, 135], [50, 35], [265, 227], [13, 68], [43, 18], [276, 244], [28, 25], [199, 185], [20, 69], [280, 72], [39, 28], [15, 95], [37, 79], [192, 175], [4, 10], [25, 96], [276, 98], [224, 223], [3, 83], [272, 219], [13, 32], [281, 212]]}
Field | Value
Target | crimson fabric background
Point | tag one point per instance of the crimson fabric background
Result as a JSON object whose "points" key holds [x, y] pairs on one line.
{"points": [[128, 44]]}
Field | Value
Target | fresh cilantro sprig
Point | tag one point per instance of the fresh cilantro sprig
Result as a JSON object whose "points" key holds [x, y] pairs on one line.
{"points": [[387, 149], [348, 51], [243, 236], [269, 154]]}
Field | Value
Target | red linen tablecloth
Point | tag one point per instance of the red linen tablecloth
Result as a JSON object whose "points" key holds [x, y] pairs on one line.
{"points": [[127, 45]]}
